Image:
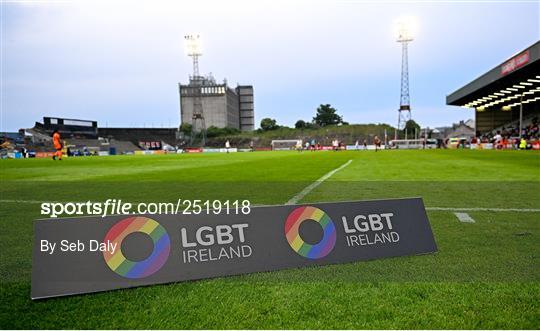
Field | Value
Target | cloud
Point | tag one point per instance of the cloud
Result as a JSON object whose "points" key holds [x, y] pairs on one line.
{"points": [[109, 60]]}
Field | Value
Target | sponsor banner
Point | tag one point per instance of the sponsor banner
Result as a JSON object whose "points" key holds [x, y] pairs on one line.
{"points": [[14, 155], [144, 152], [211, 150], [283, 149], [263, 148], [103, 153], [231, 150], [368, 147], [92, 254], [193, 150], [514, 63], [482, 146], [44, 154], [150, 145], [244, 149]]}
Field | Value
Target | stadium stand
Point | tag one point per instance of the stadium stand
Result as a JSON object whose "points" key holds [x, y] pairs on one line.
{"points": [[83, 133], [118, 146], [504, 97], [135, 135], [67, 126]]}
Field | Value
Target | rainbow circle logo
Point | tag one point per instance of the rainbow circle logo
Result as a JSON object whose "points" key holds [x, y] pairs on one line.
{"points": [[131, 269], [292, 225]]}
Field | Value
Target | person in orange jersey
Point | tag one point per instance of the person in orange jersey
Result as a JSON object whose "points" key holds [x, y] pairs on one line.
{"points": [[57, 145]]}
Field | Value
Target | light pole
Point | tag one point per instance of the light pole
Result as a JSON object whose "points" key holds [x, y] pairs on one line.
{"points": [[194, 50], [520, 116], [405, 27]]}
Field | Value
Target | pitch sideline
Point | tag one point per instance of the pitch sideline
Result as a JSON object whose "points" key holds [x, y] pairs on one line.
{"points": [[450, 209]]}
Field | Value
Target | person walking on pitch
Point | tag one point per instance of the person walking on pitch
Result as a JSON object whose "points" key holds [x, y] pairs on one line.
{"points": [[377, 142], [57, 145]]}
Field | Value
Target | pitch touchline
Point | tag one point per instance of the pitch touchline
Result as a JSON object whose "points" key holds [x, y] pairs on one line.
{"points": [[309, 188], [22, 201], [526, 210], [452, 209]]}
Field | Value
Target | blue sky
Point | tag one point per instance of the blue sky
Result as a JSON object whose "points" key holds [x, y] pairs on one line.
{"points": [[119, 62]]}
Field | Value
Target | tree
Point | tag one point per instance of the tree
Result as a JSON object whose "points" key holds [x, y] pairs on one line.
{"points": [[311, 125], [326, 115], [410, 127], [185, 128], [268, 124], [300, 124]]}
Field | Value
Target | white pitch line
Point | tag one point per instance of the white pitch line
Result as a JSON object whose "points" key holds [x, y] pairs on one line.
{"points": [[294, 200], [457, 209], [22, 201], [315, 184], [464, 218]]}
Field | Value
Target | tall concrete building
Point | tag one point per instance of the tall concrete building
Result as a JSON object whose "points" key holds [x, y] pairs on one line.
{"points": [[247, 108], [222, 105]]}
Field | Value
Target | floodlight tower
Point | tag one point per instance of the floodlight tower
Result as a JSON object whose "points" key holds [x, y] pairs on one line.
{"points": [[404, 37], [193, 50]]}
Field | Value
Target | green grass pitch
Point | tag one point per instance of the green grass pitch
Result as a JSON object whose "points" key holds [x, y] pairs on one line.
{"points": [[485, 275]]}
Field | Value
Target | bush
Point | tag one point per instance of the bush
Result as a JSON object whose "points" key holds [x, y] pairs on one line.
{"points": [[217, 132]]}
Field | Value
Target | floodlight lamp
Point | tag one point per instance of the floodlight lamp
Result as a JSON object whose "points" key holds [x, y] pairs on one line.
{"points": [[406, 29], [192, 45]]}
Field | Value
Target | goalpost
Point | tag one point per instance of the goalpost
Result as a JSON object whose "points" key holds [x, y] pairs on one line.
{"points": [[286, 144]]}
